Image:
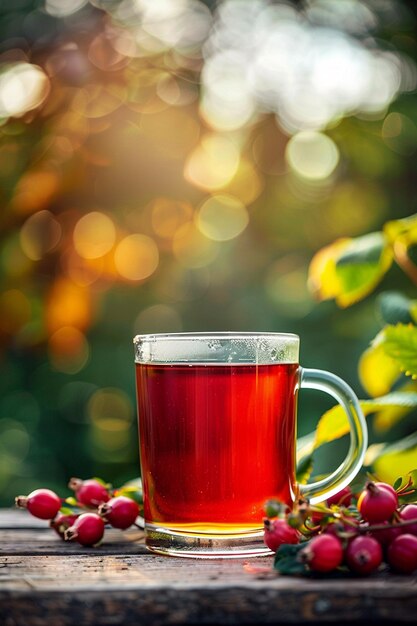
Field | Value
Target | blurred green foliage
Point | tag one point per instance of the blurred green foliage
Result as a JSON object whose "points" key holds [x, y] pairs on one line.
{"points": [[169, 166]]}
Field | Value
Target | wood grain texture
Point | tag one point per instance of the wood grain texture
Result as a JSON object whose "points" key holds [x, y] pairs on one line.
{"points": [[44, 581]]}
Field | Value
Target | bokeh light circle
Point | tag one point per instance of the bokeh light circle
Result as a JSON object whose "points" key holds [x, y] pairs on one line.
{"points": [[63, 8], [23, 87], [68, 350], [94, 235], [312, 155], [40, 234], [222, 217], [213, 163], [168, 215], [110, 413], [136, 257]]}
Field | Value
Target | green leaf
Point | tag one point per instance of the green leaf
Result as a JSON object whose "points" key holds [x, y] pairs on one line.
{"points": [[400, 343], [71, 500], [409, 484], [65, 510], [395, 307], [322, 277], [396, 458], [287, 560], [134, 493], [377, 371], [402, 445], [410, 497], [132, 489], [397, 483], [372, 453], [334, 424], [102, 482], [361, 266], [386, 418], [404, 230], [363, 250], [304, 469], [349, 269]]}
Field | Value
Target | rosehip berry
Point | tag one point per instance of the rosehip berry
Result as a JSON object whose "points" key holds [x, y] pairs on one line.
{"points": [[323, 554], [341, 498], [120, 512], [277, 532], [389, 488], [42, 503], [402, 554], [385, 536], [363, 555], [87, 529], [62, 522], [89, 492], [376, 504], [408, 513]]}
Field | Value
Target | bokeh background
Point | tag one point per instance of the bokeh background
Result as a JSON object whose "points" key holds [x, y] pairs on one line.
{"points": [[174, 165]]}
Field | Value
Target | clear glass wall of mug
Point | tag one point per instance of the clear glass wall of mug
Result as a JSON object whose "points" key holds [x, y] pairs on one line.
{"points": [[217, 422]]}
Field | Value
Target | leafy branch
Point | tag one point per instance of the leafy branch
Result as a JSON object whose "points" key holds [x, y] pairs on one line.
{"points": [[347, 271]]}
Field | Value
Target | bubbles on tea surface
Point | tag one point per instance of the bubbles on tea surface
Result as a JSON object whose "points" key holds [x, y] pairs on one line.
{"points": [[262, 349], [214, 344], [273, 354]]}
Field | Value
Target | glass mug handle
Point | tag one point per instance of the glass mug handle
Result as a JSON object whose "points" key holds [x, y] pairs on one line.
{"points": [[343, 475]]}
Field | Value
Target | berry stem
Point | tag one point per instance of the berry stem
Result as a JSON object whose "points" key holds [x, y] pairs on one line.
{"points": [[406, 486], [348, 521], [385, 526], [322, 509]]}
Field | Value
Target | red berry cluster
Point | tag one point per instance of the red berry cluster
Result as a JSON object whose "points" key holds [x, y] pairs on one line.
{"points": [[82, 518], [340, 534]]}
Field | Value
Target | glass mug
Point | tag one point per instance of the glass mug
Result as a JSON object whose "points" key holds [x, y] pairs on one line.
{"points": [[217, 430]]}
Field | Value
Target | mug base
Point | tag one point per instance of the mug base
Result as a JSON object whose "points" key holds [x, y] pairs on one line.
{"points": [[205, 546]]}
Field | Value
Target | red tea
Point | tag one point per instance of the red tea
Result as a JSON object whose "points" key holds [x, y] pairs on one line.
{"points": [[216, 441]]}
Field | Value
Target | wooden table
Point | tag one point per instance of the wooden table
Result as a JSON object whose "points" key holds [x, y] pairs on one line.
{"points": [[44, 581]]}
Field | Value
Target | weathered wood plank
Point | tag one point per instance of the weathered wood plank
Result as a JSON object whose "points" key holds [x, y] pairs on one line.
{"points": [[19, 518], [217, 603], [121, 570], [38, 541], [44, 581]]}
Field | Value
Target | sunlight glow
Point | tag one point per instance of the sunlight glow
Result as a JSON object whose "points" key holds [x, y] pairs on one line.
{"points": [[23, 87], [136, 257], [94, 235], [312, 155], [213, 163], [222, 218]]}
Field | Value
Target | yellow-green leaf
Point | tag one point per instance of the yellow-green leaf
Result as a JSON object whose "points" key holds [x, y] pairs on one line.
{"points": [[322, 278], [404, 230], [397, 459], [385, 419], [400, 343], [334, 423], [349, 269], [377, 371], [304, 469], [361, 266]]}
